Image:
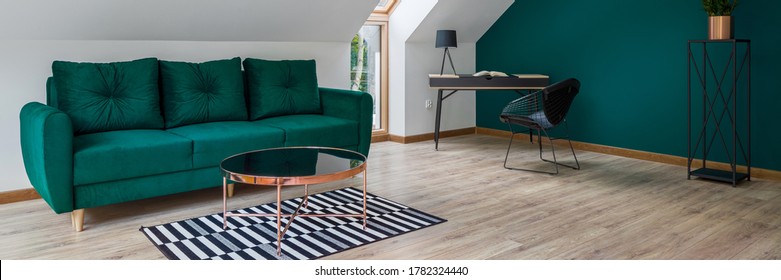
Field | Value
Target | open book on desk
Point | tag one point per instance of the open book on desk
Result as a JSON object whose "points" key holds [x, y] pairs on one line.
{"points": [[485, 73]]}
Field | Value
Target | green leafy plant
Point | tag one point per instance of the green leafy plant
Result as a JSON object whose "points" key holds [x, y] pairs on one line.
{"points": [[719, 7]]}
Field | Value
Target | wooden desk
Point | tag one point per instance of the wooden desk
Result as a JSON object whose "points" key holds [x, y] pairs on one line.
{"points": [[454, 83]]}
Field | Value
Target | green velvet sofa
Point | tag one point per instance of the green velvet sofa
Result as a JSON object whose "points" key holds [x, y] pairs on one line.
{"points": [[123, 131]]}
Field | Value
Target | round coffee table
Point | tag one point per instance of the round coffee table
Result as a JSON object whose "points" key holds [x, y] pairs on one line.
{"points": [[291, 166]]}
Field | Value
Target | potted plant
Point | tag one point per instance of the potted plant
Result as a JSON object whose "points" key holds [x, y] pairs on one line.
{"points": [[720, 23]]}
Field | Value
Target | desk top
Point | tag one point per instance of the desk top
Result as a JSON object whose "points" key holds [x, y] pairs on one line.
{"points": [[469, 82]]}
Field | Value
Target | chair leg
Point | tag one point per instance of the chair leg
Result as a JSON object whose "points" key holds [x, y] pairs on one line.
{"points": [[566, 127], [577, 167], [539, 141], [553, 150], [506, 155], [573, 155]]}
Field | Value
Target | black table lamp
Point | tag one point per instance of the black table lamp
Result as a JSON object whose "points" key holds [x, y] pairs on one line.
{"points": [[446, 39]]}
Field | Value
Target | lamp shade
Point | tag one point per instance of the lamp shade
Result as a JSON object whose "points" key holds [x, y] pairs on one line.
{"points": [[446, 39]]}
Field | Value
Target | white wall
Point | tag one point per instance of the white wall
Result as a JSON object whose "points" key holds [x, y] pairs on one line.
{"points": [[402, 23], [413, 56], [469, 17], [25, 65], [458, 110], [184, 20]]}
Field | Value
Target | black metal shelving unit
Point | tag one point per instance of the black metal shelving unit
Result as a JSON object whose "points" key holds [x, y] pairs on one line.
{"points": [[718, 104]]}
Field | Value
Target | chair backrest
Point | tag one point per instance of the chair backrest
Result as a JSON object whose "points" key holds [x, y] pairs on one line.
{"points": [[557, 99]]}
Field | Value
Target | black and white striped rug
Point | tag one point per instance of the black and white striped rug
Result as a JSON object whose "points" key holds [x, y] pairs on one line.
{"points": [[308, 237]]}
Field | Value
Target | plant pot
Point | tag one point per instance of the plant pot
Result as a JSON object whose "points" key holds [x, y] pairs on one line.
{"points": [[720, 27]]}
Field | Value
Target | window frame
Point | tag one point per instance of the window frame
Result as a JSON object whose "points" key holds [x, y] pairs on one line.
{"points": [[387, 9], [380, 17], [382, 132]]}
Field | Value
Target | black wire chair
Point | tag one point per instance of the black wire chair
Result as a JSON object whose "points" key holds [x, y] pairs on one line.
{"points": [[542, 111]]}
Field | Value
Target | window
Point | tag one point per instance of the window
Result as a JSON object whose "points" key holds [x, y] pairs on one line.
{"points": [[369, 64], [366, 73]]}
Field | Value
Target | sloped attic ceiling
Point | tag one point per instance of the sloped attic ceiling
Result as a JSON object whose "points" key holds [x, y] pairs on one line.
{"points": [[471, 18], [185, 20]]}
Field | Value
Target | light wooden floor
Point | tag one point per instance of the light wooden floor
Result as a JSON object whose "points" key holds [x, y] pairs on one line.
{"points": [[614, 208]]}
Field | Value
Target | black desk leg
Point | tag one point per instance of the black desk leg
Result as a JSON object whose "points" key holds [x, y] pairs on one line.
{"points": [[531, 134], [436, 123]]}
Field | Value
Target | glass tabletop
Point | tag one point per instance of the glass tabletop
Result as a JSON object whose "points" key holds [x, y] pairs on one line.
{"points": [[293, 165]]}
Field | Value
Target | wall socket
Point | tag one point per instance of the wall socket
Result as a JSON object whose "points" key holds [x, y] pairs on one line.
{"points": [[428, 104]]}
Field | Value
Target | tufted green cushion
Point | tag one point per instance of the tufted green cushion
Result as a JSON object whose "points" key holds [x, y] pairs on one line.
{"points": [[283, 87], [109, 96], [202, 92]]}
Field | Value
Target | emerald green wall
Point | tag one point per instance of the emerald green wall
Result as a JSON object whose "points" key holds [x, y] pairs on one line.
{"points": [[631, 59]]}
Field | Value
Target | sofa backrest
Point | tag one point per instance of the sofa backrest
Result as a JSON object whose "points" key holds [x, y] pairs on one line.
{"points": [[51, 91], [271, 88]]}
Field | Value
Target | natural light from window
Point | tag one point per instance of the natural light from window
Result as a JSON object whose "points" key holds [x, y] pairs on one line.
{"points": [[368, 63], [365, 67]]}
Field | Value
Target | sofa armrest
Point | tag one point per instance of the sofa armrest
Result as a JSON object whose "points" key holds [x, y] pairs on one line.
{"points": [[352, 105], [47, 151]]}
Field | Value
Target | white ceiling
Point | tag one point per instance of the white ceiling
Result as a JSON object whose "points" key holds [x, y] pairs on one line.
{"points": [[186, 20], [470, 18]]}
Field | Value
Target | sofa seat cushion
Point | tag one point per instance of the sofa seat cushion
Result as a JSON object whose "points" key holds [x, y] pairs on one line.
{"points": [[215, 141], [315, 130], [122, 154], [109, 96]]}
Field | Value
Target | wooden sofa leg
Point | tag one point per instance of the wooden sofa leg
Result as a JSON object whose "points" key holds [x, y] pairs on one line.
{"points": [[230, 189], [77, 219]]}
